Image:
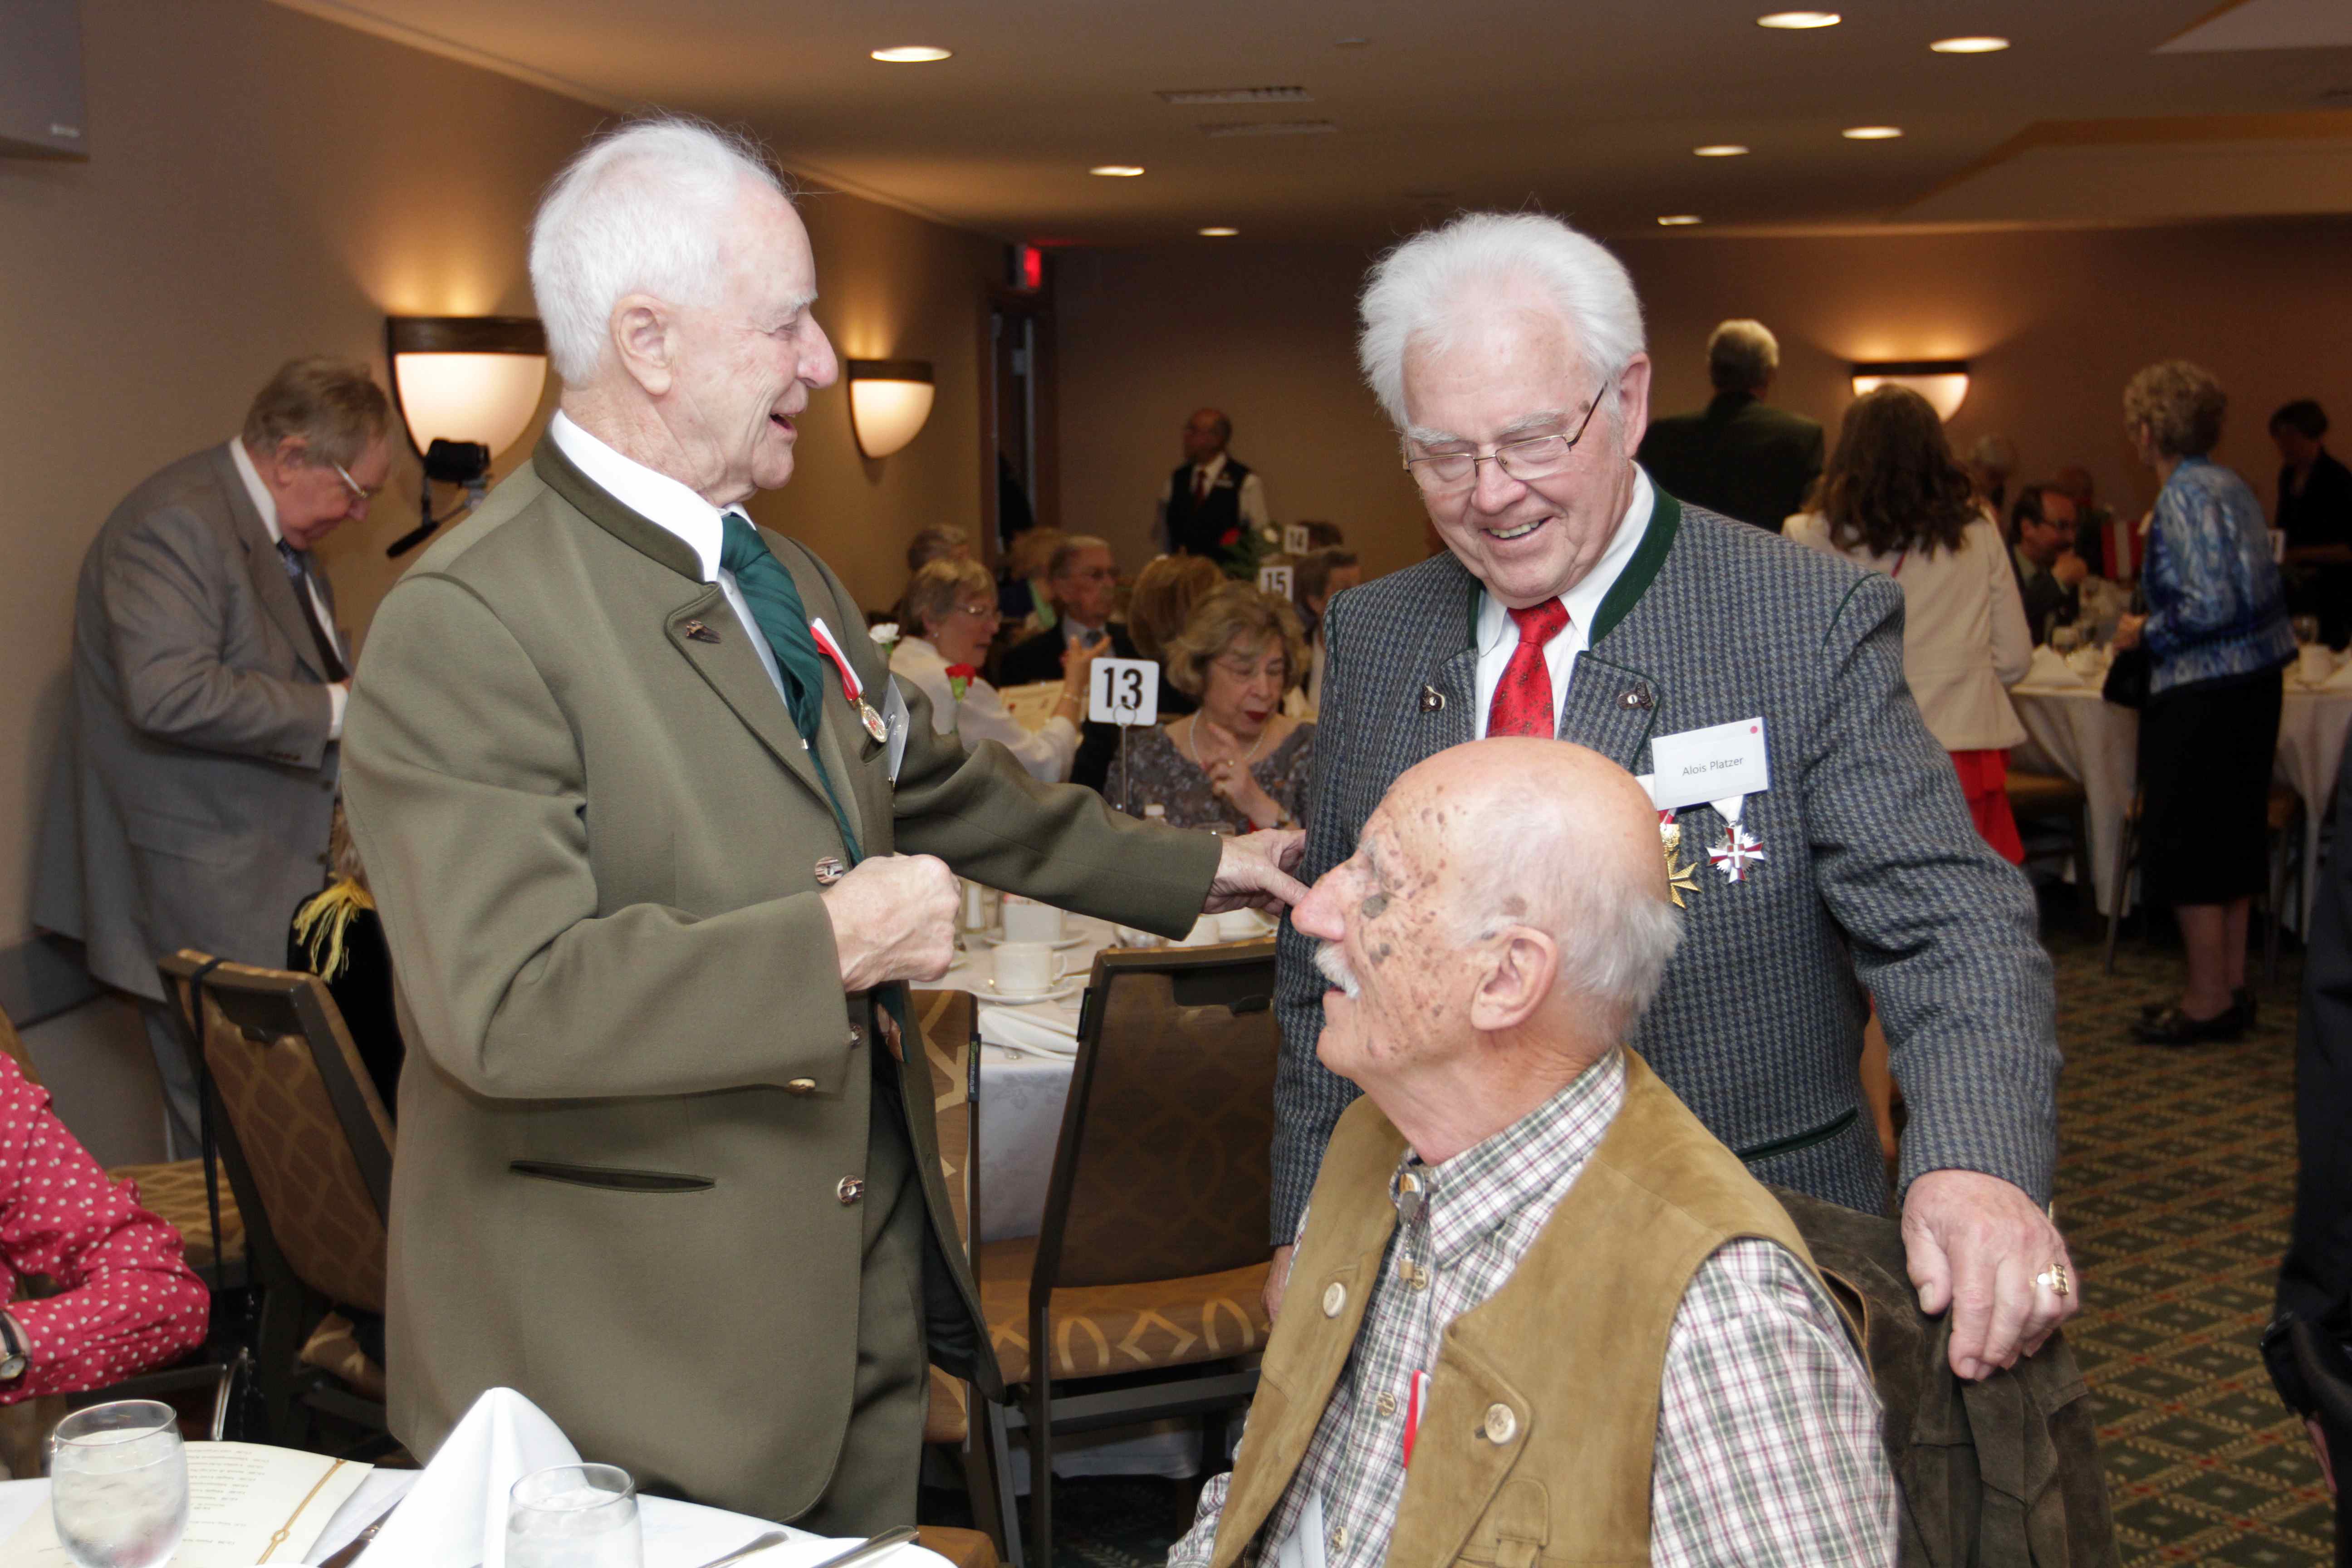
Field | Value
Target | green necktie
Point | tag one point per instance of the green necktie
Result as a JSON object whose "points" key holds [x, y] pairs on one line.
{"points": [[775, 603]]}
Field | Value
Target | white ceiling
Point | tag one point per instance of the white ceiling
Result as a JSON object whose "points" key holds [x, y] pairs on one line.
{"points": [[1589, 109]]}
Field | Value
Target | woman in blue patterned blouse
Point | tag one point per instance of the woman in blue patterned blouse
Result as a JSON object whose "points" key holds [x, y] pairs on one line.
{"points": [[2217, 636]]}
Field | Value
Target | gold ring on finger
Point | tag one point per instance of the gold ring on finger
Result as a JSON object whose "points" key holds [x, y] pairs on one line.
{"points": [[2055, 1278]]}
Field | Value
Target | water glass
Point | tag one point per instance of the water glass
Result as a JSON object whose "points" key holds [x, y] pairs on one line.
{"points": [[118, 1484], [574, 1516], [2307, 629], [2065, 639]]}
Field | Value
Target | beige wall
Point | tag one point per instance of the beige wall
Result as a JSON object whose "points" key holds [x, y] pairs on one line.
{"points": [[2052, 321], [265, 183]]}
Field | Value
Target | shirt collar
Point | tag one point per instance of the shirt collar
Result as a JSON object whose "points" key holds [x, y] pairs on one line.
{"points": [[657, 497], [263, 501], [1213, 467], [1469, 1196], [1583, 601]]}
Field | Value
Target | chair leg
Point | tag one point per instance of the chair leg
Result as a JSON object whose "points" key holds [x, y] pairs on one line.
{"points": [[2119, 890], [1041, 1464], [2271, 915], [1006, 1505], [979, 1455]]}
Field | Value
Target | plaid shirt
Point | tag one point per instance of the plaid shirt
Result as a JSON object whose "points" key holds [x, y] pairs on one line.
{"points": [[1768, 1449]]}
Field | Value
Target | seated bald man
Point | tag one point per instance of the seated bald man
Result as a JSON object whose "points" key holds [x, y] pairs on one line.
{"points": [[1535, 1305]]}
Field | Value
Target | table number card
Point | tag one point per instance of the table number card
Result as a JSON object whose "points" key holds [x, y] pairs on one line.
{"points": [[1296, 539], [1274, 580], [1124, 691]]}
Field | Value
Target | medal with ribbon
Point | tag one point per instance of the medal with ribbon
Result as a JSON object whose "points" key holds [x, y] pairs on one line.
{"points": [[1732, 853], [1678, 877], [853, 690]]}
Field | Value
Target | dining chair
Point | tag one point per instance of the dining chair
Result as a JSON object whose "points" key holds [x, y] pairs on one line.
{"points": [[307, 1147], [1142, 1297], [2035, 797]]}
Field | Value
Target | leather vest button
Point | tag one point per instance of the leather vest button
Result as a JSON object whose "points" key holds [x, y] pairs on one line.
{"points": [[1500, 1425], [1386, 1402], [830, 870], [856, 1036], [801, 1086], [849, 1188], [1637, 698], [1334, 1295]]}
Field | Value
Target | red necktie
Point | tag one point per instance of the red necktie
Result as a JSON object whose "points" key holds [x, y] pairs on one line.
{"points": [[1522, 704], [1200, 486]]}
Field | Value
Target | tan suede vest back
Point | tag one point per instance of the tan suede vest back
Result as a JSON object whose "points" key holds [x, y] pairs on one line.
{"points": [[1542, 1415]]}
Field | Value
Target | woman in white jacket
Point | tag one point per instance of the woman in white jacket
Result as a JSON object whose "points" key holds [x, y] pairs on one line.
{"points": [[952, 605], [1894, 501]]}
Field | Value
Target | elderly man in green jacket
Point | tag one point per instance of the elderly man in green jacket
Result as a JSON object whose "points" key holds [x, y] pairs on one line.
{"points": [[656, 844]]}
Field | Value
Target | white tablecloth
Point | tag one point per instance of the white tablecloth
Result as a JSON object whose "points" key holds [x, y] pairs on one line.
{"points": [[2074, 731]]}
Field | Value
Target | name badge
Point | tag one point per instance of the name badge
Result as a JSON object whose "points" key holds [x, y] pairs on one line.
{"points": [[1710, 764]]}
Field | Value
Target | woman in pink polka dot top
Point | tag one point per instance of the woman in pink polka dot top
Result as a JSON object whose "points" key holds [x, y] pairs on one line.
{"points": [[130, 1302]]}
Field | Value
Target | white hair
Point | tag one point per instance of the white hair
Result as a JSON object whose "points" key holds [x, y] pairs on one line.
{"points": [[1741, 355], [646, 208], [1615, 932], [1421, 292]]}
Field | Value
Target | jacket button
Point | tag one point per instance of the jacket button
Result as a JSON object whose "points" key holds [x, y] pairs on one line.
{"points": [[849, 1187], [830, 870], [1500, 1425], [1334, 1295], [856, 1036], [1635, 698], [1386, 1402], [1432, 700], [801, 1086]]}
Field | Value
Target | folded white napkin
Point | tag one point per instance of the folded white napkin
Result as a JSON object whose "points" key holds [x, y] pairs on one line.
{"points": [[2051, 669], [456, 1511], [1048, 1028]]}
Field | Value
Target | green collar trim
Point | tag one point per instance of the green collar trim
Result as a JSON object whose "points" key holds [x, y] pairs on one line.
{"points": [[1649, 557], [640, 534]]}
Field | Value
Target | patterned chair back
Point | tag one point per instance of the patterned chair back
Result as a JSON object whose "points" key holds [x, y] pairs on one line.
{"points": [[306, 1134], [948, 1023], [1164, 1168]]}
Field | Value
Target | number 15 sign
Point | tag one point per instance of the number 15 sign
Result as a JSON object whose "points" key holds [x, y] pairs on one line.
{"points": [[1124, 691]]}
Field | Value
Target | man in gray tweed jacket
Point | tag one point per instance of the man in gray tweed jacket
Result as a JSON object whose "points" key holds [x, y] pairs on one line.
{"points": [[1580, 600]]}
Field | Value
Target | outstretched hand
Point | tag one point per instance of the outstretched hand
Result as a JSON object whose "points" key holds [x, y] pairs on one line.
{"points": [[1253, 873]]}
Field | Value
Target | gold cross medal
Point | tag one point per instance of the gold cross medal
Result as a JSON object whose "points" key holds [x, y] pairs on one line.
{"points": [[1678, 877]]}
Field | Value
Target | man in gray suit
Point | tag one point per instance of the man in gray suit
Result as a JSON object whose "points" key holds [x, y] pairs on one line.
{"points": [[1739, 456], [190, 804], [1817, 839]]}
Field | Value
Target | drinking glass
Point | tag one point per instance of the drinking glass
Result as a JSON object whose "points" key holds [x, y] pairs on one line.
{"points": [[2307, 629], [2065, 639], [118, 1484], [574, 1516]]}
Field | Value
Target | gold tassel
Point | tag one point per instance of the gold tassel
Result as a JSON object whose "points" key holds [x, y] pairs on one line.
{"points": [[318, 925]]}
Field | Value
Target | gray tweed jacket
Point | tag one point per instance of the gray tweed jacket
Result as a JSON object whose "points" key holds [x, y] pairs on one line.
{"points": [[1874, 876]]}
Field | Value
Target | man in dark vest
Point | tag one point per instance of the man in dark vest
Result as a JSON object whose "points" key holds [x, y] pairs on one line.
{"points": [[1210, 499], [1739, 456]]}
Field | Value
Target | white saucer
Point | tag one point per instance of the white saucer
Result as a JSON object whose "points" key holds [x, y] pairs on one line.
{"points": [[993, 937], [1067, 989]]}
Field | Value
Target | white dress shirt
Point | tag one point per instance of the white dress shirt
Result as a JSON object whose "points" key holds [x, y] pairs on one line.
{"points": [[339, 692], [1499, 634], [981, 714], [661, 499]]}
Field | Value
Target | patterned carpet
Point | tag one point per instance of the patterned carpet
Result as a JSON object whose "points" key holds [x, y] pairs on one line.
{"points": [[2176, 1177]]}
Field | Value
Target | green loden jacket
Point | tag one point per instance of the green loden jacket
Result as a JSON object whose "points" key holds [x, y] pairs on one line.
{"points": [[634, 1086]]}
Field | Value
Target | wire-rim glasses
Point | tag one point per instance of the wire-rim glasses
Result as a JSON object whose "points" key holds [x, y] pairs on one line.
{"points": [[1537, 458]]}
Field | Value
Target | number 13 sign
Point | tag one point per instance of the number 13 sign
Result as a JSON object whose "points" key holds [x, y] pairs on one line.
{"points": [[1124, 691]]}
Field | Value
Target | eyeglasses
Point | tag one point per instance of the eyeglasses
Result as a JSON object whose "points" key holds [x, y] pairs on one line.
{"points": [[359, 492], [1537, 458], [979, 612]]}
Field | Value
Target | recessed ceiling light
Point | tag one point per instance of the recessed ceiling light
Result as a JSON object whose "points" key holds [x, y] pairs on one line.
{"points": [[1721, 150], [1679, 220], [1871, 133], [912, 54], [1969, 45], [1798, 20], [1116, 171], [1219, 231]]}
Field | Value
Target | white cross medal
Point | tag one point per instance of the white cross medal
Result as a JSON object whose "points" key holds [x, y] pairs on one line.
{"points": [[1737, 847]]}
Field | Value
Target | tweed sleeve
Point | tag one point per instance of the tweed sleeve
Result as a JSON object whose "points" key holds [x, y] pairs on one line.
{"points": [[1942, 928], [1308, 1096]]}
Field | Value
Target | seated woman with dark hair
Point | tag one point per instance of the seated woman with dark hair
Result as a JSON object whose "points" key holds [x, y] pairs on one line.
{"points": [[1238, 761]]}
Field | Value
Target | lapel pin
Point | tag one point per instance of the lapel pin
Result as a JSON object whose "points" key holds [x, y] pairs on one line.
{"points": [[1637, 698], [1432, 700], [699, 632], [830, 870]]}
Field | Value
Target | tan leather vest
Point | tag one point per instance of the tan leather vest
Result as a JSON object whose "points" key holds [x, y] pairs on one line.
{"points": [[1536, 1438]]}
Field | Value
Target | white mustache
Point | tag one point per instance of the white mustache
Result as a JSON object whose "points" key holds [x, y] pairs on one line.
{"points": [[1334, 965]]}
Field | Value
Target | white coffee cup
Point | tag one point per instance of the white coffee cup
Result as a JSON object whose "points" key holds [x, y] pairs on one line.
{"points": [[1025, 968], [1240, 925], [1026, 920], [2318, 662]]}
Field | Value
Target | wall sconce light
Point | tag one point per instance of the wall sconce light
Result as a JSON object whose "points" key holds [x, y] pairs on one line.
{"points": [[1944, 382], [889, 401], [466, 388]]}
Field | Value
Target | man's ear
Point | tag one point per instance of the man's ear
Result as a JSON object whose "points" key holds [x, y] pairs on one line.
{"points": [[1634, 400], [644, 340], [1522, 964], [293, 452]]}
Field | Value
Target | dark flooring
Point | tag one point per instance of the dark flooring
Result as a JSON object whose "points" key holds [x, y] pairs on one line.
{"points": [[2175, 1180]]}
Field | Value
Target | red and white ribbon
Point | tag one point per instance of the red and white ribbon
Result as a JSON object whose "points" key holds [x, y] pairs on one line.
{"points": [[851, 686]]}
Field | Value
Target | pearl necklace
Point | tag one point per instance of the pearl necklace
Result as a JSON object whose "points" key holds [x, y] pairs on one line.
{"points": [[1192, 740]]}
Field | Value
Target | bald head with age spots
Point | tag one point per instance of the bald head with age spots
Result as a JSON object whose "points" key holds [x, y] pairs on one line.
{"points": [[1502, 924]]}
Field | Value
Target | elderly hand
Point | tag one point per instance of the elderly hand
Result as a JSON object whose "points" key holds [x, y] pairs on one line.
{"points": [[1978, 1246], [1253, 873], [1078, 664], [1230, 781], [893, 918], [2127, 632]]}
